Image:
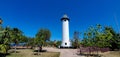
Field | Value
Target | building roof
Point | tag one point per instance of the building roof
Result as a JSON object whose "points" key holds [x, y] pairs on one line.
{"points": [[65, 17]]}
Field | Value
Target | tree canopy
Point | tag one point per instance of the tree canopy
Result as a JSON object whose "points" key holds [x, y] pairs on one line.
{"points": [[42, 36], [100, 36]]}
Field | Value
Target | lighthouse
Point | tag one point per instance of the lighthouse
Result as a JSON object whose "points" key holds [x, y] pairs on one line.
{"points": [[65, 31]]}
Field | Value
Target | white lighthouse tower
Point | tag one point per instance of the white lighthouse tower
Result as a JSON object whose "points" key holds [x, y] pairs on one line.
{"points": [[65, 31]]}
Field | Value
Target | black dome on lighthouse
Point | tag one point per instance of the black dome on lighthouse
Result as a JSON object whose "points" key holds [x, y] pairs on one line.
{"points": [[65, 17]]}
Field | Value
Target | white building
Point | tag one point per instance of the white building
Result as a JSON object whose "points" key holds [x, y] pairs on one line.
{"points": [[65, 32]]}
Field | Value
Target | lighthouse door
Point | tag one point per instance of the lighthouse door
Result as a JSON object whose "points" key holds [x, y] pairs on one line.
{"points": [[65, 43]]}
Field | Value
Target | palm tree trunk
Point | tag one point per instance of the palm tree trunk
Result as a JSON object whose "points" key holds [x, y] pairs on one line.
{"points": [[38, 50], [15, 48]]}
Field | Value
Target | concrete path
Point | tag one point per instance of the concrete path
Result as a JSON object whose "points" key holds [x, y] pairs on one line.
{"points": [[64, 52]]}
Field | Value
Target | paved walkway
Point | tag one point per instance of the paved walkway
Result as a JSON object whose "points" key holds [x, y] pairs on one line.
{"points": [[64, 52]]}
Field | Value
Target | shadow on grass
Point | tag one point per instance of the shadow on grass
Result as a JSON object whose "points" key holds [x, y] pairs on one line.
{"points": [[40, 50], [91, 55], [36, 52], [4, 55], [14, 51]]}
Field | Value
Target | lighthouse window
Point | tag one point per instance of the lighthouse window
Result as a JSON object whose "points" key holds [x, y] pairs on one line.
{"points": [[65, 43], [65, 20]]}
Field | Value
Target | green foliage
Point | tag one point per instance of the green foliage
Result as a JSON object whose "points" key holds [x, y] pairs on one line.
{"points": [[115, 42], [98, 36], [3, 48], [30, 41], [58, 43], [53, 43], [42, 36], [23, 39], [50, 43], [4, 40], [16, 35]]}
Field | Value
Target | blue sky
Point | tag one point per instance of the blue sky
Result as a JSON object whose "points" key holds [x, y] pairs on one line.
{"points": [[31, 15]]}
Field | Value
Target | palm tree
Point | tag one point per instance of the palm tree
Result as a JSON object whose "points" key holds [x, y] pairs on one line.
{"points": [[4, 40], [42, 36], [15, 36]]}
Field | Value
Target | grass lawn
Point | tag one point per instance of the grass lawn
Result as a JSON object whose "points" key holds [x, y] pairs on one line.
{"points": [[111, 54], [30, 53]]}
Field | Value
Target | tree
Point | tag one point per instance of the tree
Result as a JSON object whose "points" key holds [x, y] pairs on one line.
{"points": [[15, 36], [118, 41], [98, 36], [4, 40], [89, 37], [42, 36], [58, 43], [76, 40], [115, 41], [23, 39], [30, 42]]}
